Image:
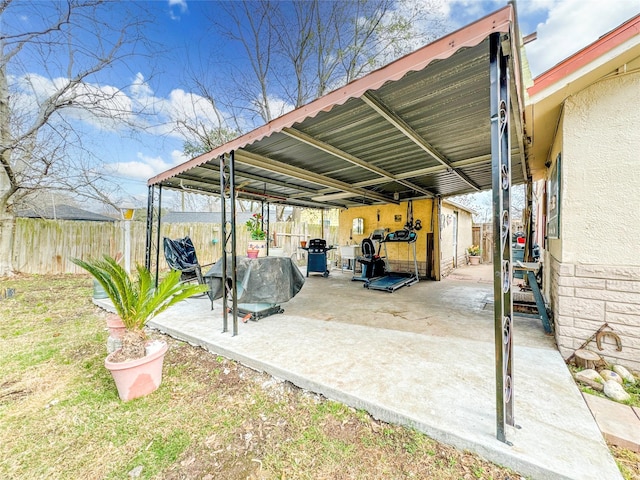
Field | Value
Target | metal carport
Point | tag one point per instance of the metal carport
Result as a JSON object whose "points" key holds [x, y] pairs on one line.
{"points": [[444, 120]]}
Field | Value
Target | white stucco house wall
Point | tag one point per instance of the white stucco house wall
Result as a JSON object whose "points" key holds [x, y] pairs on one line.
{"points": [[456, 235], [584, 123]]}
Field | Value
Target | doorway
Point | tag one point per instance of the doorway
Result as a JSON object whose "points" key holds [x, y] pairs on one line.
{"points": [[455, 240]]}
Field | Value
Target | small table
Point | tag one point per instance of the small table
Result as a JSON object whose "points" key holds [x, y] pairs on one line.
{"points": [[350, 253], [262, 282]]}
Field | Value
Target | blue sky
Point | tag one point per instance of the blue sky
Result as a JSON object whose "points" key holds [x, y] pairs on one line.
{"points": [[182, 28]]}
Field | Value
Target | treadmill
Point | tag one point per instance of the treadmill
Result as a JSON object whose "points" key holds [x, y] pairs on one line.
{"points": [[392, 281]]}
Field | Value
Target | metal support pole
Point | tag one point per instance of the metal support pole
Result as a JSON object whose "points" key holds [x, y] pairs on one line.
{"points": [[263, 219], [227, 186], [528, 246], [148, 246], [152, 247], [437, 240], [502, 281], [223, 240], [234, 255], [268, 230], [127, 246], [159, 216]]}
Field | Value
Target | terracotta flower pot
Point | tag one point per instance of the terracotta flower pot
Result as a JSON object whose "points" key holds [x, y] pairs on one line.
{"points": [[116, 330], [115, 326], [252, 253], [259, 245], [474, 260], [140, 377]]}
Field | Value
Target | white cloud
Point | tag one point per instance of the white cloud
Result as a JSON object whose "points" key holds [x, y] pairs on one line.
{"points": [[563, 26], [181, 4], [177, 8], [133, 169], [475, 9], [178, 157], [532, 6], [190, 107], [140, 88], [462, 12], [144, 167], [106, 107], [180, 108], [103, 106], [572, 25], [278, 106]]}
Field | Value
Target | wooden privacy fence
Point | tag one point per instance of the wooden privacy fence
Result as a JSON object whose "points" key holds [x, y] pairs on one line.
{"points": [[45, 246], [483, 236]]}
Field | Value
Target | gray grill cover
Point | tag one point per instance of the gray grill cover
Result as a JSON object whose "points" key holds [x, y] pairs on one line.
{"points": [[260, 280]]}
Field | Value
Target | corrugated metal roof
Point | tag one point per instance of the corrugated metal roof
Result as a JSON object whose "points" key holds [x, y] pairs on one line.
{"points": [[214, 217], [419, 127]]}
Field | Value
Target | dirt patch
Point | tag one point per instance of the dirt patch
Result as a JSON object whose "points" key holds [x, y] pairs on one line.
{"points": [[308, 436], [12, 390], [292, 433]]}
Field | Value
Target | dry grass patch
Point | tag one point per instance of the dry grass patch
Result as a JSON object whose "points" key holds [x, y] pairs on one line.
{"points": [[628, 461]]}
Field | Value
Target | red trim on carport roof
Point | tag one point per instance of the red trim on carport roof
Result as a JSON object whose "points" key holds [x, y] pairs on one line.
{"points": [[469, 36], [608, 42]]}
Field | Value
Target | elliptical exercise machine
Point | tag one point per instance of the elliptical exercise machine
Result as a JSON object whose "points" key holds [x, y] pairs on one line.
{"points": [[372, 264]]}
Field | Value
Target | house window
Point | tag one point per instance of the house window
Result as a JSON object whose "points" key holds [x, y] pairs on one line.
{"points": [[553, 200], [358, 226]]}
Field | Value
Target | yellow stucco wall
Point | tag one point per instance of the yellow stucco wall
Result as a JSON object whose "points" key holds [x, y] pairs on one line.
{"points": [[394, 217], [391, 217]]}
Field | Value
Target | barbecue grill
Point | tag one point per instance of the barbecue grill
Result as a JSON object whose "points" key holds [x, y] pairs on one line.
{"points": [[317, 256]]}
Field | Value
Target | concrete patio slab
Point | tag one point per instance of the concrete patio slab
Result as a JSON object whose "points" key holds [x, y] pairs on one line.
{"points": [[422, 356]]}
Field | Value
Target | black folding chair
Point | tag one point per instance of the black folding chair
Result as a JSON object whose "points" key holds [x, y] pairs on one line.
{"points": [[181, 255]]}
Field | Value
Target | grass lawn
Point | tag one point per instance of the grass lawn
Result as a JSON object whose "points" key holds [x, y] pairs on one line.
{"points": [[212, 418]]}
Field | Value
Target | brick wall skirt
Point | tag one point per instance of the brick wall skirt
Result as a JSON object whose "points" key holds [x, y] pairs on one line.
{"points": [[585, 297], [407, 266], [446, 267]]}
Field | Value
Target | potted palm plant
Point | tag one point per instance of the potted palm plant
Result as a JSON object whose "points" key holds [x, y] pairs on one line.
{"points": [[137, 366]]}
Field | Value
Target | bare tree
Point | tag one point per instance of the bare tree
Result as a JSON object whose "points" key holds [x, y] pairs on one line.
{"points": [[294, 52], [480, 203], [206, 140], [300, 50], [50, 56]]}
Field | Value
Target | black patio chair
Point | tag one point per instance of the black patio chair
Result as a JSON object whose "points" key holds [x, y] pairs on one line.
{"points": [[181, 255]]}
